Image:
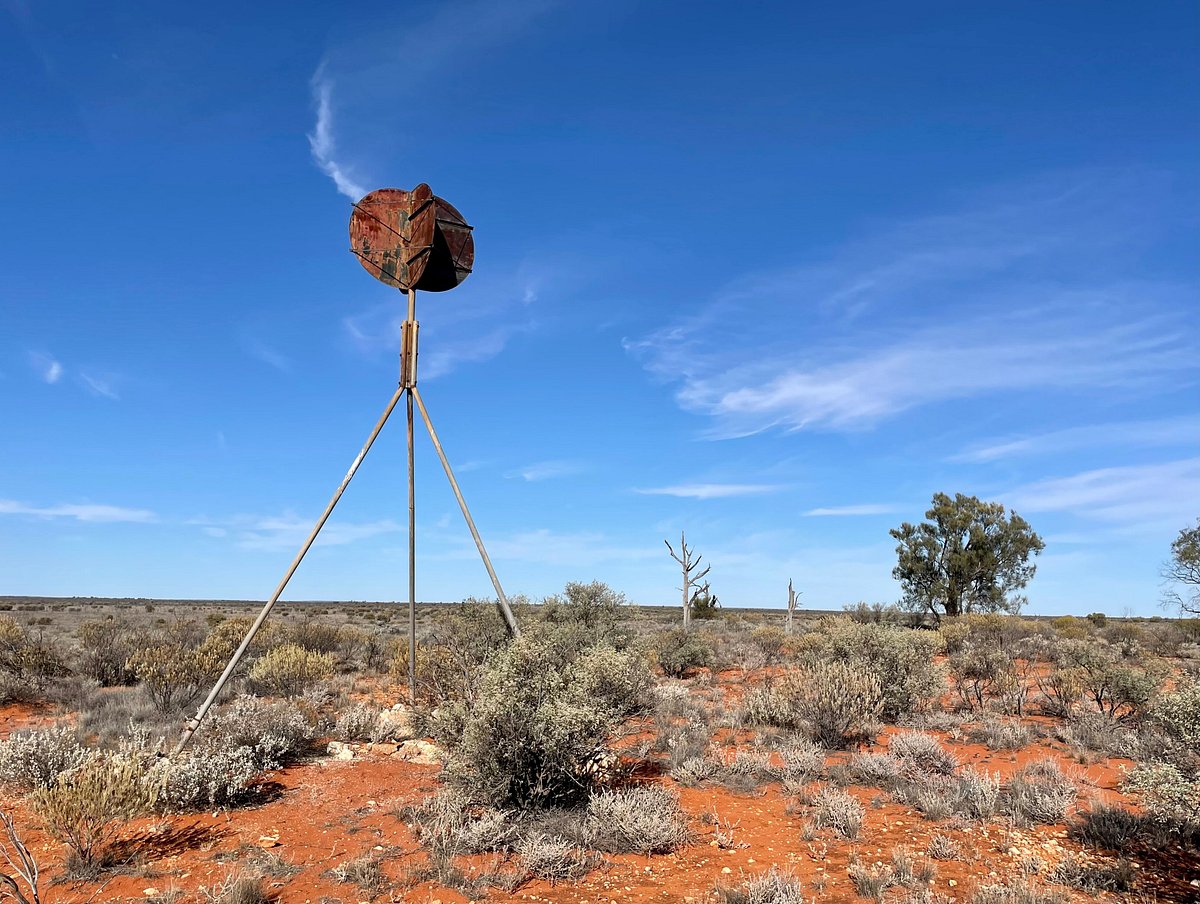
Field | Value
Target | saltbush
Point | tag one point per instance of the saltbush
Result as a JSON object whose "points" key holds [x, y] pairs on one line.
{"points": [[35, 759], [644, 819], [1168, 793], [901, 658], [542, 709], [839, 701], [679, 652], [278, 733], [1040, 793]]}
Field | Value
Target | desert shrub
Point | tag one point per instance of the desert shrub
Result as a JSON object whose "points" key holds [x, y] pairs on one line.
{"points": [[594, 607], [451, 658], [873, 613], [29, 662], [448, 824], [679, 652], [277, 732], [85, 807], [839, 701], [774, 706], [772, 642], [880, 770], [942, 847], [1040, 793], [643, 819], [978, 793], [1089, 876], [802, 760], [1107, 826], [979, 672], [542, 709], [1168, 794], [836, 809], [1118, 690], [236, 888], [901, 658], [106, 646], [206, 778], [1000, 734], [314, 636], [870, 881], [366, 873], [1061, 690], [1098, 619], [357, 722], [1094, 733], [362, 649], [771, 887], [551, 857], [173, 674], [1016, 893], [704, 604], [289, 670], [920, 752], [36, 759], [1177, 714]]}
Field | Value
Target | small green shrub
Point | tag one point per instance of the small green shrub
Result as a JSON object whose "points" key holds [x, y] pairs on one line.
{"points": [[1168, 794], [85, 807], [679, 652], [840, 702], [901, 658], [1178, 714], [542, 709], [106, 646], [290, 669], [173, 674]]}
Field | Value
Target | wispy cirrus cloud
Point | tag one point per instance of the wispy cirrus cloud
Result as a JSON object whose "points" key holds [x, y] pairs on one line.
{"points": [[102, 385], [321, 141], [547, 470], [382, 76], [1156, 494], [1124, 434], [46, 366], [848, 511], [86, 512], [267, 354], [711, 490], [288, 531], [1018, 295]]}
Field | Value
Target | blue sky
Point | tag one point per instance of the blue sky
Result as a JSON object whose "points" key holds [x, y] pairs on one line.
{"points": [[773, 274]]}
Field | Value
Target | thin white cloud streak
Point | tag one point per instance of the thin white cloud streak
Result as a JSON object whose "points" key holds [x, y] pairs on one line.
{"points": [[1159, 494], [99, 386], [546, 470], [711, 490], [288, 531], [384, 78], [48, 368], [848, 511], [85, 512], [321, 141], [1013, 297], [1123, 434], [259, 350]]}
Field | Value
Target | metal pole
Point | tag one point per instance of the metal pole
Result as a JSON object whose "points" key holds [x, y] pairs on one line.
{"points": [[411, 378], [194, 723], [502, 600]]}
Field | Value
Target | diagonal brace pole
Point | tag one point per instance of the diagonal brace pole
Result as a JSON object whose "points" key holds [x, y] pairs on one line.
{"points": [[194, 722], [501, 599]]}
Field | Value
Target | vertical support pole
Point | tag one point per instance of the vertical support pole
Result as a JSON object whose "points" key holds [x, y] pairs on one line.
{"points": [[501, 599], [194, 723], [410, 378]]}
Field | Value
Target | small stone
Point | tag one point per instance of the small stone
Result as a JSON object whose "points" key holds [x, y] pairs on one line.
{"points": [[268, 841], [149, 892], [951, 882], [726, 870], [340, 751]]}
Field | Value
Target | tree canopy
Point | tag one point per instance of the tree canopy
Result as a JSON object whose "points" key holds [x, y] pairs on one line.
{"points": [[967, 556], [1184, 569]]}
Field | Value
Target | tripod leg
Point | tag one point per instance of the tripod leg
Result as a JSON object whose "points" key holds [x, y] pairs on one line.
{"points": [[194, 723], [502, 600], [412, 561]]}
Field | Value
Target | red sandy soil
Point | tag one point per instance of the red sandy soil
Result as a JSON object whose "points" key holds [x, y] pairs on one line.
{"points": [[326, 812]]}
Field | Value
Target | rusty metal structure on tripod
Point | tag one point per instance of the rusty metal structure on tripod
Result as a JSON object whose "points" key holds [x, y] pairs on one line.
{"points": [[410, 240]]}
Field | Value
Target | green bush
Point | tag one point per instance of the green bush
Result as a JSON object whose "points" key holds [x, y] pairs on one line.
{"points": [[1168, 794], [594, 607], [1178, 714], [679, 652], [85, 807], [901, 658], [543, 708], [106, 646], [289, 670], [175, 675], [840, 702], [29, 662]]}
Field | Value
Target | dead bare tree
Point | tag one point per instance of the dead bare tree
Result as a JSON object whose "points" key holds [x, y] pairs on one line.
{"points": [[21, 862], [791, 609], [689, 563]]}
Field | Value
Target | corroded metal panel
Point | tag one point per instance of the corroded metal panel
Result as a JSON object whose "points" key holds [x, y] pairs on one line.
{"points": [[412, 239]]}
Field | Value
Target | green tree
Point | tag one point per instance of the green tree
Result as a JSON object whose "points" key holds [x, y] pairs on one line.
{"points": [[1184, 569], [967, 556]]}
